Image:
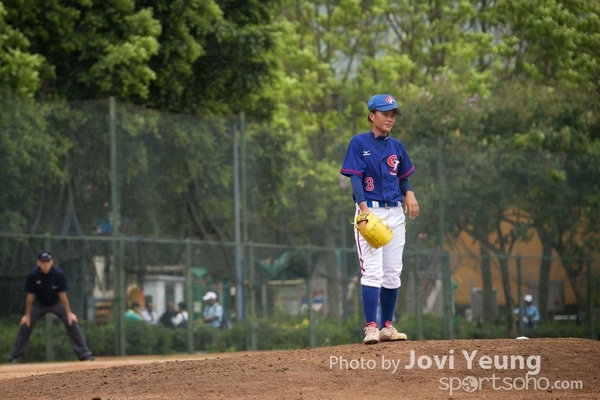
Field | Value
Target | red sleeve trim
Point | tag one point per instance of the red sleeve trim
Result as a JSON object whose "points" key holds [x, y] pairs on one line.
{"points": [[408, 173]]}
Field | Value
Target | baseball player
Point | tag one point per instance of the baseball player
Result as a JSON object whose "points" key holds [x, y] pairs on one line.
{"points": [[378, 166], [46, 288]]}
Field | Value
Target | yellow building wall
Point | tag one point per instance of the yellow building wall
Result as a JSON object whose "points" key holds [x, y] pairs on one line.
{"points": [[467, 271]]}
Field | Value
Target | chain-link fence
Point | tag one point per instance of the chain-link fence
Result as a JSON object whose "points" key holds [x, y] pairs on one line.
{"points": [[141, 205], [307, 285]]}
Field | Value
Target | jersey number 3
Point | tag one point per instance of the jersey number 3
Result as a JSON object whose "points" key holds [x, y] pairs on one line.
{"points": [[370, 186]]}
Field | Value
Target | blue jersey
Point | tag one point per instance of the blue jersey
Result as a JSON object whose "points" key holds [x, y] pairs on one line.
{"points": [[46, 287], [381, 162]]}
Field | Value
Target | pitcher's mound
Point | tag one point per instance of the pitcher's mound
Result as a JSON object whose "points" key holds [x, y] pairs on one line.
{"points": [[498, 369]]}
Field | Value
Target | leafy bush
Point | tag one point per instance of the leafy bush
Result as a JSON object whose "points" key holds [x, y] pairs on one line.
{"points": [[328, 333], [8, 333], [291, 333], [233, 339], [141, 338], [469, 330], [37, 349], [204, 335], [431, 326], [558, 330], [100, 338], [552, 329]]}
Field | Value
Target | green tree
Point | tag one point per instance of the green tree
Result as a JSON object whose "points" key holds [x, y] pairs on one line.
{"points": [[30, 158], [31, 161], [186, 26], [96, 49], [240, 61], [551, 41], [21, 71], [562, 199]]}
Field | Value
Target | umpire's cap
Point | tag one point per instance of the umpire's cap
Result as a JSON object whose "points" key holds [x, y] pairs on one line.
{"points": [[383, 102], [45, 256]]}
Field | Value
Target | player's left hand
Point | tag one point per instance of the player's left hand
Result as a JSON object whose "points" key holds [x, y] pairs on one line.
{"points": [[410, 205]]}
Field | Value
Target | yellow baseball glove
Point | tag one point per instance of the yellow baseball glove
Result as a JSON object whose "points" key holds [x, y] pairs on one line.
{"points": [[375, 232]]}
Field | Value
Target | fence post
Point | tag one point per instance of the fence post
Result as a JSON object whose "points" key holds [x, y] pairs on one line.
{"points": [[253, 287], [344, 267], [189, 297], [121, 297], [238, 256], [418, 307], [447, 295], [520, 321], [591, 309], [118, 246], [48, 317], [311, 313]]}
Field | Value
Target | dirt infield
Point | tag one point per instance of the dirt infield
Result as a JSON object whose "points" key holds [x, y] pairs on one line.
{"points": [[491, 369]]}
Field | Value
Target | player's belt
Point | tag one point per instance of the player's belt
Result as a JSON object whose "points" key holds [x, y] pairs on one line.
{"points": [[382, 204]]}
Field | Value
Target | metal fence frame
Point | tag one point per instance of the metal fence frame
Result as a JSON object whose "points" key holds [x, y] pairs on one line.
{"points": [[439, 271]]}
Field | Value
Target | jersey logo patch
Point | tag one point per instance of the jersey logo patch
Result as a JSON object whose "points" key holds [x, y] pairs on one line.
{"points": [[393, 162], [366, 152]]}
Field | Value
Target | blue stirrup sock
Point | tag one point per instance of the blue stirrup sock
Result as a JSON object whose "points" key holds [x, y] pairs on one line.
{"points": [[370, 299], [388, 299]]}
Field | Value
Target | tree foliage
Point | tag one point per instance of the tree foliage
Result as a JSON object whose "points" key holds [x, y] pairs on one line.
{"points": [[21, 71], [96, 49], [553, 40], [509, 87]]}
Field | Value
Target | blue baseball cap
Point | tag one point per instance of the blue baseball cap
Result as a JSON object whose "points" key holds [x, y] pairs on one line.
{"points": [[44, 255], [383, 102]]}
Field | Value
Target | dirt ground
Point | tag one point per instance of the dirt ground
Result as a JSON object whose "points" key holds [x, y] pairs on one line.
{"points": [[479, 369]]}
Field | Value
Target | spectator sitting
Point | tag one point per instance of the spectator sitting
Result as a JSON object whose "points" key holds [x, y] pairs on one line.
{"points": [[531, 314], [212, 314], [150, 316], [180, 320], [134, 313]]}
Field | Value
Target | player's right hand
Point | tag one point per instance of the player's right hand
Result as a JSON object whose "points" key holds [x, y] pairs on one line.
{"points": [[364, 209], [25, 320]]}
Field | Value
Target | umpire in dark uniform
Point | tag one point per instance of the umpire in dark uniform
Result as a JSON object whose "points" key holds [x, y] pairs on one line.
{"points": [[46, 288]]}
